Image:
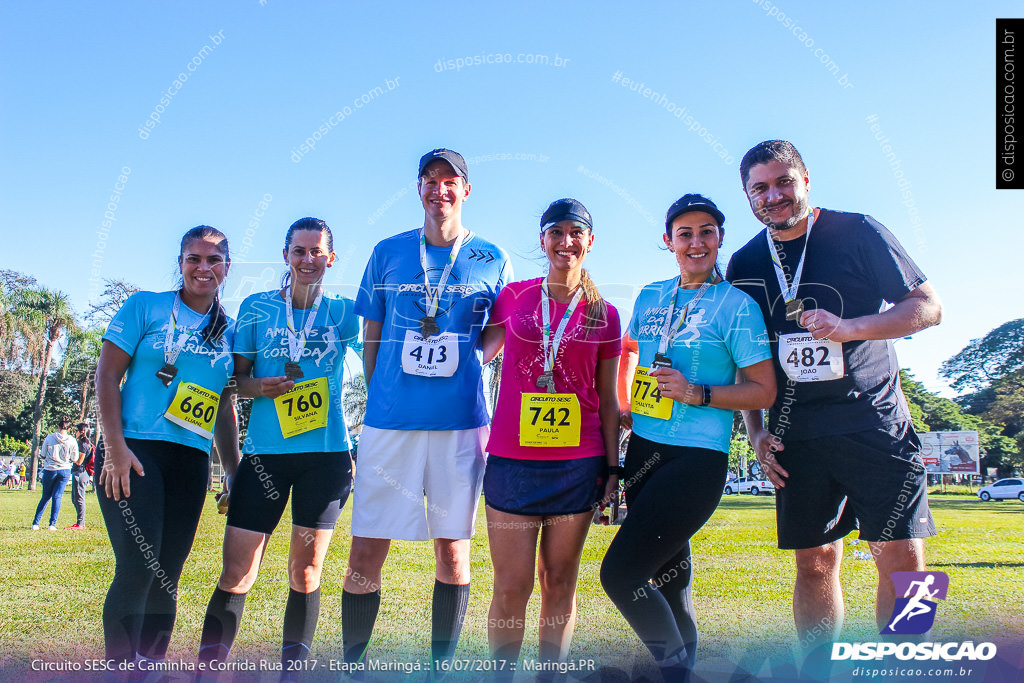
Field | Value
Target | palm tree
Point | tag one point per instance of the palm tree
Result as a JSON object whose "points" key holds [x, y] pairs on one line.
{"points": [[80, 360], [53, 316]]}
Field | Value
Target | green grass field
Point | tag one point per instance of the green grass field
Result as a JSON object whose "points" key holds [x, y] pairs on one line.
{"points": [[55, 583]]}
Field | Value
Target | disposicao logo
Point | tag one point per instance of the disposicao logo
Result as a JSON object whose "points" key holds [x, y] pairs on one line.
{"points": [[914, 613]]}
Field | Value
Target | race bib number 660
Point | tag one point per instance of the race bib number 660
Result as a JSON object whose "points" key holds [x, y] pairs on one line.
{"points": [[194, 408]]}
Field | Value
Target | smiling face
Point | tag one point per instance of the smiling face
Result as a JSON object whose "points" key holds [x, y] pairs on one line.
{"points": [[695, 240], [777, 194], [309, 255], [203, 266], [566, 244], [442, 190]]}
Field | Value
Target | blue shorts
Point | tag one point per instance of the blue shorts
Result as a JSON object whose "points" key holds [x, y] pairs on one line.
{"points": [[544, 488]]}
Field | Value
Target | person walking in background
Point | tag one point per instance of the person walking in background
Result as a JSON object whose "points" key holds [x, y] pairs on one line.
{"points": [[553, 454], [60, 450], [153, 460], [700, 352], [80, 473]]}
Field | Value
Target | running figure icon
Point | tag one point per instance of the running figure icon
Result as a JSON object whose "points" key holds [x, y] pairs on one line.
{"points": [[915, 606]]}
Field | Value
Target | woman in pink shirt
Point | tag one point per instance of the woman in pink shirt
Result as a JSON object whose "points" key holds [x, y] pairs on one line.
{"points": [[553, 449]]}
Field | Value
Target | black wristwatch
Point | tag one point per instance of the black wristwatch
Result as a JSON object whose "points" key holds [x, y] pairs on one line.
{"points": [[617, 470], [706, 398]]}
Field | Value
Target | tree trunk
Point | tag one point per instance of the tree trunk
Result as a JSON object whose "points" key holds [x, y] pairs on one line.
{"points": [[37, 412], [84, 397]]}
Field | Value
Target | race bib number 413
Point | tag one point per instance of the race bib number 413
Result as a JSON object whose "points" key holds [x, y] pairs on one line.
{"points": [[549, 420], [435, 356], [806, 359], [194, 408], [303, 408]]}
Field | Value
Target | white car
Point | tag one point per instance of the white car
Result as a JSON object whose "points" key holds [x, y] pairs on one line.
{"points": [[1004, 488], [748, 485]]}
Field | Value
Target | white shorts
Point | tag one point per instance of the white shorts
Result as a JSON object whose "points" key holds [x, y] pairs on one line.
{"points": [[396, 468]]}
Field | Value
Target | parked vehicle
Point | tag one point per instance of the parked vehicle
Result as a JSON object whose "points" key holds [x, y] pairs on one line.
{"points": [[748, 485], [1004, 488]]}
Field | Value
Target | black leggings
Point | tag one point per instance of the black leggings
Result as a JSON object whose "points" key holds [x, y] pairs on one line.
{"points": [[671, 491], [151, 533]]}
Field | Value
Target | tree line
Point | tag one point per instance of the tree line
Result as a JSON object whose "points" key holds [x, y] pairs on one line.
{"points": [[48, 357]]}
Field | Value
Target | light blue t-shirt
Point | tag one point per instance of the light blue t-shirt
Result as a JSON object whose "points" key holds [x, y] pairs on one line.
{"points": [[724, 332], [392, 292], [139, 329], [261, 336]]}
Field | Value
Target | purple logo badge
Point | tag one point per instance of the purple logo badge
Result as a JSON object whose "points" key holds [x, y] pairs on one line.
{"points": [[916, 596]]}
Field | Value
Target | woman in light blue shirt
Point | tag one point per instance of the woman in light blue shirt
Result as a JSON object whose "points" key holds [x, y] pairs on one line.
{"points": [[153, 462]]}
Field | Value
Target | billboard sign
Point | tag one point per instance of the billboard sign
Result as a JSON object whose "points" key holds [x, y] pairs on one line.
{"points": [[950, 452]]}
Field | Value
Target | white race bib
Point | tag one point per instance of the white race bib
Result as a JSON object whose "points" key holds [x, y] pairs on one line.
{"points": [[806, 359], [435, 356]]}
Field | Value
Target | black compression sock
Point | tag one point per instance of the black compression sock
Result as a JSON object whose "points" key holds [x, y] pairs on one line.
{"points": [[220, 626], [450, 603], [300, 617], [358, 615]]}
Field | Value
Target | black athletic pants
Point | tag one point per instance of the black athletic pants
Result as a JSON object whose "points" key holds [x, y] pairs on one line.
{"points": [[151, 533], [671, 491]]}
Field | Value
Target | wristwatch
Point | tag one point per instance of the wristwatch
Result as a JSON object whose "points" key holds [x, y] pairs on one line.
{"points": [[706, 399], [617, 470]]}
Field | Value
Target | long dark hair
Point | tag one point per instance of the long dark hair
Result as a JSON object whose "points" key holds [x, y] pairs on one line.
{"points": [[218, 323], [307, 223]]}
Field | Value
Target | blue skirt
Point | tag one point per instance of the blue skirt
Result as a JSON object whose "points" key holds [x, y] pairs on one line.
{"points": [[544, 488]]}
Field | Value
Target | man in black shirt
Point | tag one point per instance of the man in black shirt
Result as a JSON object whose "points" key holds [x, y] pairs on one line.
{"points": [[840, 446]]}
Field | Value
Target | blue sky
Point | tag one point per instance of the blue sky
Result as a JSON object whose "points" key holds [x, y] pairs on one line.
{"points": [[78, 81]]}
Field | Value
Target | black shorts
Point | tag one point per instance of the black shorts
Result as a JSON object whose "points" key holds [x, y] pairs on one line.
{"points": [[542, 488], [873, 480], [319, 484]]}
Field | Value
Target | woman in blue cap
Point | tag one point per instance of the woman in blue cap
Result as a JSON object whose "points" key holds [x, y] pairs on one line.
{"points": [[700, 351], [553, 449]]}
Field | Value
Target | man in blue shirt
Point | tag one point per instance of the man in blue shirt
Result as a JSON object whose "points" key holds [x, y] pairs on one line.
{"points": [[425, 298]]}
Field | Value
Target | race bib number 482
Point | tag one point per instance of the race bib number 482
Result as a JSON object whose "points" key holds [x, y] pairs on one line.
{"points": [[435, 356], [806, 359]]}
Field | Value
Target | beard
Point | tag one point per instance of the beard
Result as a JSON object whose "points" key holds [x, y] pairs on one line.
{"points": [[800, 207]]}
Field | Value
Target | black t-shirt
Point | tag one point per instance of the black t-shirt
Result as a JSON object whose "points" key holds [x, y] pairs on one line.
{"points": [[852, 264]]}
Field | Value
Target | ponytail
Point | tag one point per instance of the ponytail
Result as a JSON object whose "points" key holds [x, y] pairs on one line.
{"points": [[218, 324], [597, 309]]}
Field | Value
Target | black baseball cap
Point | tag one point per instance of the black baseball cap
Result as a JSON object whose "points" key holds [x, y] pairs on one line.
{"points": [[566, 210], [453, 158], [693, 202]]}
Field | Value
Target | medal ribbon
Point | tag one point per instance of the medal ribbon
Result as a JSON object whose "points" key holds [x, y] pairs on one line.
{"points": [[667, 331], [549, 360], [294, 347], [789, 293], [172, 345], [434, 297]]}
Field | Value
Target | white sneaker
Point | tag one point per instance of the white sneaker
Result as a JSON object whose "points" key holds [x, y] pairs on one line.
{"points": [[52, 527], [35, 527]]}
